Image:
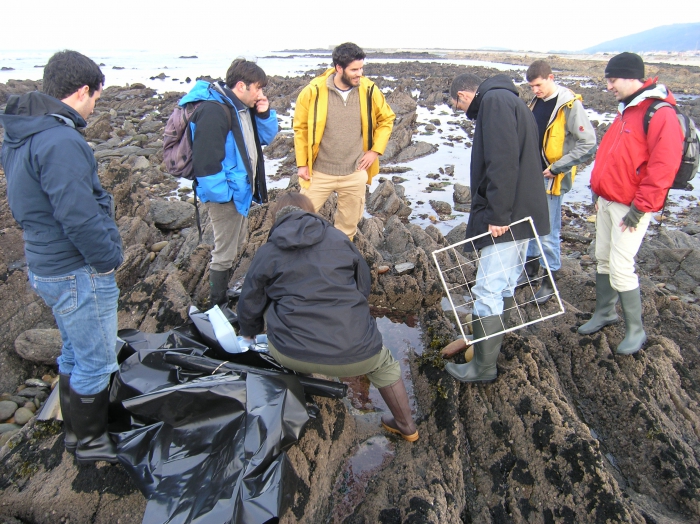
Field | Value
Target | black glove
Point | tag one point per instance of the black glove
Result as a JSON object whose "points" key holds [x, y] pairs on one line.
{"points": [[633, 216]]}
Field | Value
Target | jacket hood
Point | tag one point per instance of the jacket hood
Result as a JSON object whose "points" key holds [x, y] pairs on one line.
{"points": [[204, 90], [495, 82], [34, 112], [650, 89], [298, 230]]}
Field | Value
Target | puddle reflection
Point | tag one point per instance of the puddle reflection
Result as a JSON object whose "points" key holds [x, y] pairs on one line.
{"points": [[401, 335]]}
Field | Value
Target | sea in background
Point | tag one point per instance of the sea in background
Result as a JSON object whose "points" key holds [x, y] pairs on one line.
{"points": [[129, 67]]}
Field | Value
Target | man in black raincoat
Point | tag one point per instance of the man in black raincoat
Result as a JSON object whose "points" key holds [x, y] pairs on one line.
{"points": [[506, 186]]}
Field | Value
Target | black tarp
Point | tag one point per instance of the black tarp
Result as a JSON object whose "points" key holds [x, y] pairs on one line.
{"points": [[205, 439]]}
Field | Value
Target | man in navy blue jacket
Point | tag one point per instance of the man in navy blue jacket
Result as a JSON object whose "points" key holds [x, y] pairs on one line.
{"points": [[71, 241]]}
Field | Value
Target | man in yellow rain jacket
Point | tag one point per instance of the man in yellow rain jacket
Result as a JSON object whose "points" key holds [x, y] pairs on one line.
{"points": [[342, 124], [567, 139]]}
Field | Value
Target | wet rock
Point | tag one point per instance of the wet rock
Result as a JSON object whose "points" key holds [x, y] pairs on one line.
{"points": [[158, 246], [168, 214], [440, 207], [124, 152], [7, 409], [416, 150], [99, 128], [35, 382], [384, 201], [462, 194], [281, 146], [456, 234], [39, 345]]}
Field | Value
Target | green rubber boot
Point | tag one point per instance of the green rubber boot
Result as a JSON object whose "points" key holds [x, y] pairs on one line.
{"points": [[635, 337], [605, 300], [482, 367]]}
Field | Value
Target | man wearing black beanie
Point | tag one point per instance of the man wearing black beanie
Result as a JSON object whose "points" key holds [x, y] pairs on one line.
{"points": [[631, 177]]}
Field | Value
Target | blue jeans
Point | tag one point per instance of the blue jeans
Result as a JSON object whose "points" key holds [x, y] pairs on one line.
{"points": [[84, 304], [550, 243], [498, 271]]}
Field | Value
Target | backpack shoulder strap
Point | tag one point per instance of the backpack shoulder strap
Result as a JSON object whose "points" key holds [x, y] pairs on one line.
{"points": [[651, 111]]}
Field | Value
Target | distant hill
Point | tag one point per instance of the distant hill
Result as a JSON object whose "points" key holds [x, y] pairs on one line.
{"points": [[675, 37]]}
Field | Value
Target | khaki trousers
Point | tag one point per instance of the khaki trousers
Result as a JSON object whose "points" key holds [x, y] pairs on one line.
{"points": [[351, 197], [381, 370], [230, 228], [615, 249]]}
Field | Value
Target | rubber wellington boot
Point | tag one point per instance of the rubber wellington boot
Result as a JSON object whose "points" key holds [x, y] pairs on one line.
{"points": [[509, 308], [71, 441], [635, 337], [89, 418], [482, 367], [218, 285], [531, 268], [401, 422], [546, 290], [605, 300]]}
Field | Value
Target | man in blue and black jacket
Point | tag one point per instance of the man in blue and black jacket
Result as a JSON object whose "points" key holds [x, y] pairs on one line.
{"points": [[71, 241], [227, 159]]}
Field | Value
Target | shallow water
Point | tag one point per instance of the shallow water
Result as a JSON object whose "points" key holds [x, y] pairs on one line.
{"points": [[403, 338]]}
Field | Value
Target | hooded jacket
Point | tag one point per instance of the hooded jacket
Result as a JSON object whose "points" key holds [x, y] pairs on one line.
{"points": [[220, 159], [568, 141], [632, 166], [314, 284], [53, 189], [506, 170], [310, 115]]}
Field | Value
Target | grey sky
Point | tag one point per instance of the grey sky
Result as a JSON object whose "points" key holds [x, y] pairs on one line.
{"points": [[273, 25]]}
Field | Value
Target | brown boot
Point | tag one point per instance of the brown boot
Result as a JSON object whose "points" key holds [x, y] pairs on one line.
{"points": [[401, 423]]}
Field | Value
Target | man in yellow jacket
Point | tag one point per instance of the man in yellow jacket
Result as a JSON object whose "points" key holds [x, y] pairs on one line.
{"points": [[566, 139], [342, 123]]}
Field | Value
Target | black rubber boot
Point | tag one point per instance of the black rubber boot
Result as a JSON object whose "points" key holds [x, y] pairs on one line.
{"points": [[482, 367], [605, 300], [635, 337], [218, 285], [71, 441], [531, 269], [546, 290], [89, 420], [401, 422]]}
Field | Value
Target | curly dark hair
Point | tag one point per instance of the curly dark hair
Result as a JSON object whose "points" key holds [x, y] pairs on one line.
{"points": [[242, 70], [346, 53], [67, 71]]}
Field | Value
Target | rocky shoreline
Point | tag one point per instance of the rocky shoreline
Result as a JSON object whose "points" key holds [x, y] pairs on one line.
{"points": [[570, 432]]}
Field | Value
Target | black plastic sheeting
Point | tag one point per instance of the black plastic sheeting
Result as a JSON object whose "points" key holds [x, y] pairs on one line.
{"points": [[204, 439]]}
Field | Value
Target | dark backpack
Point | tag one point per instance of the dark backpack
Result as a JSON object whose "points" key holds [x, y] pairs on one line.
{"points": [[177, 144], [691, 144]]}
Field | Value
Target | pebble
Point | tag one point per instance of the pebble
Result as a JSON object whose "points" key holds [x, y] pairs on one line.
{"points": [[30, 406], [158, 246], [4, 428], [23, 415], [35, 382], [382, 269], [402, 268], [7, 436], [30, 392], [7, 409]]}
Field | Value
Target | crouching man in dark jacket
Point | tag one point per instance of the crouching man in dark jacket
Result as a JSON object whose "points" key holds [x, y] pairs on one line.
{"points": [[311, 284], [506, 186], [71, 242]]}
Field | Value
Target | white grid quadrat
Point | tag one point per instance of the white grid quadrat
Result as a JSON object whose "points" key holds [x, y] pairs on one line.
{"points": [[458, 276]]}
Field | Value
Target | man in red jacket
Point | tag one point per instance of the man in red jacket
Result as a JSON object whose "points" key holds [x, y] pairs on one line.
{"points": [[631, 178]]}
